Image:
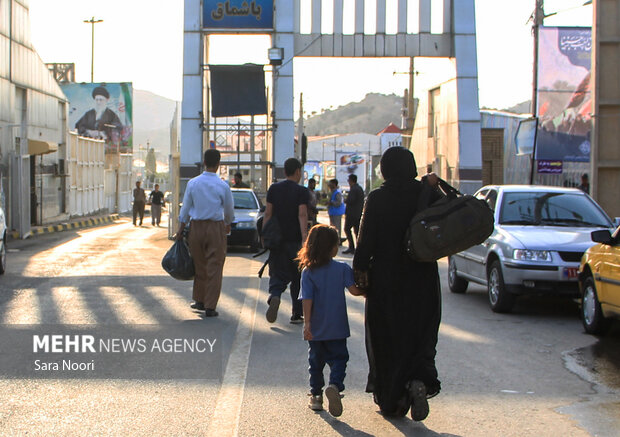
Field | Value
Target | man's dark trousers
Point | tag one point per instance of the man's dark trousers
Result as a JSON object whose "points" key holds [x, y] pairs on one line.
{"points": [[352, 223], [138, 210], [283, 270]]}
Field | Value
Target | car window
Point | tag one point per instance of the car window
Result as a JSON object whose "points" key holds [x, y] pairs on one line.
{"points": [[556, 209], [481, 194], [244, 200], [492, 199]]}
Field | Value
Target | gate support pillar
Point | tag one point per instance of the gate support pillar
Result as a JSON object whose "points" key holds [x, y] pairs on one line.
{"points": [[283, 92]]}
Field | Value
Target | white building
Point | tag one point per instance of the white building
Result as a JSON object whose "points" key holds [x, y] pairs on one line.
{"points": [[35, 159]]}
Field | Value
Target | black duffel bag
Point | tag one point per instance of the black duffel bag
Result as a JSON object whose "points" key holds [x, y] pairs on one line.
{"points": [[450, 225], [178, 261]]}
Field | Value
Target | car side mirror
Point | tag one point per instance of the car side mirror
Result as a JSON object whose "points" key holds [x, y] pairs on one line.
{"points": [[603, 236], [263, 208], [617, 221]]}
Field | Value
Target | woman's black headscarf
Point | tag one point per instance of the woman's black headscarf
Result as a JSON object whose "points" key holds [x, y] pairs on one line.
{"points": [[398, 164]]}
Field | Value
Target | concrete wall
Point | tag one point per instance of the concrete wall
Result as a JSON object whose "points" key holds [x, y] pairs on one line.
{"points": [[605, 155], [32, 108]]}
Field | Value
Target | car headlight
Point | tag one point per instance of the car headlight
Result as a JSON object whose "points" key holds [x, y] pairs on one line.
{"points": [[532, 255], [245, 225]]}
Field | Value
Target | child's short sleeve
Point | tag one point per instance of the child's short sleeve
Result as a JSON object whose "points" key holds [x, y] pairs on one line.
{"points": [[349, 279], [307, 287]]}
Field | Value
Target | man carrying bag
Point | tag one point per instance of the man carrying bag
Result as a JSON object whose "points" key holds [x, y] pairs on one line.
{"points": [[208, 203]]}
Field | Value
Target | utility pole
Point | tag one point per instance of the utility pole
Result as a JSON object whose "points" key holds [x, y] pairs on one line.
{"points": [[410, 103], [538, 17], [92, 23]]}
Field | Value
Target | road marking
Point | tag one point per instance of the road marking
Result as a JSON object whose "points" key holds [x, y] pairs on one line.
{"points": [[24, 308], [173, 303], [71, 306], [126, 306], [225, 421]]}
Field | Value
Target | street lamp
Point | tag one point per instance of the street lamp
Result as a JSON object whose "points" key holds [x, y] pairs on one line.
{"points": [[92, 22]]}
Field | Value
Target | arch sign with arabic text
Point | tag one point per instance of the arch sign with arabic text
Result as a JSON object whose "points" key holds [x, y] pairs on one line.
{"points": [[237, 14]]}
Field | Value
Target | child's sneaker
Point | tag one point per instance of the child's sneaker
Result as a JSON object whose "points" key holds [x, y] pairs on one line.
{"points": [[316, 402], [334, 400]]}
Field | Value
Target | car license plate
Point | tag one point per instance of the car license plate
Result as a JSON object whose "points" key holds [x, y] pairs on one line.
{"points": [[571, 272]]}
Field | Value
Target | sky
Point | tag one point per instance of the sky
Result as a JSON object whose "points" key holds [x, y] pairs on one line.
{"points": [[141, 41]]}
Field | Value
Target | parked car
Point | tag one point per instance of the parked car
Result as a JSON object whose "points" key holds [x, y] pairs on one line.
{"points": [[539, 237], [2, 242], [248, 210], [599, 281]]}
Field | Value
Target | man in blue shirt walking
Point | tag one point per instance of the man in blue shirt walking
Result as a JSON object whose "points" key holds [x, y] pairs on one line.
{"points": [[208, 203]]}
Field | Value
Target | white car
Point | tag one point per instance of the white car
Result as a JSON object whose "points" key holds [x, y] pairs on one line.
{"points": [[539, 237]]}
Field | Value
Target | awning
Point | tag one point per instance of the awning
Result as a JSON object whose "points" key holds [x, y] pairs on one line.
{"points": [[38, 147]]}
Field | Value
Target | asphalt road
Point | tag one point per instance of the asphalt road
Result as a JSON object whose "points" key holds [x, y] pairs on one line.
{"points": [[530, 373]]}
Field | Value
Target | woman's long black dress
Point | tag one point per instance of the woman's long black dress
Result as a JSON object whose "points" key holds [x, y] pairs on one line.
{"points": [[403, 306]]}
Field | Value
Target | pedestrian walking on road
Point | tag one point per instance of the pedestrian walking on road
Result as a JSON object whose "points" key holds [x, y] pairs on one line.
{"points": [[336, 207], [326, 325], [403, 300], [287, 201], [238, 181], [585, 183], [208, 208], [139, 200], [312, 202], [156, 199], [353, 212]]}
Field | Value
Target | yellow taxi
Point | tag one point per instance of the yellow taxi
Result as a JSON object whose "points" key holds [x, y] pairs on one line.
{"points": [[599, 282]]}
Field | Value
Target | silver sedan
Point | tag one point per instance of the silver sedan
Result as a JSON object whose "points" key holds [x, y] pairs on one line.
{"points": [[539, 237]]}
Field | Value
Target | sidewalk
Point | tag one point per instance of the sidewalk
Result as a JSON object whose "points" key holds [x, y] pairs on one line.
{"points": [[77, 223]]}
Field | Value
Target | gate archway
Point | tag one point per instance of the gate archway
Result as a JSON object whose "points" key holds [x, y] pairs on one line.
{"points": [[296, 34]]}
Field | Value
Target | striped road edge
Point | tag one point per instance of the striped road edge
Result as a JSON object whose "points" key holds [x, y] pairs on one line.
{"points": [[66, 226]]}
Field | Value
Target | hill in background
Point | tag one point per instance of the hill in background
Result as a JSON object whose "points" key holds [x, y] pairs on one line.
{"points": [[370, 115], [152, 115]]}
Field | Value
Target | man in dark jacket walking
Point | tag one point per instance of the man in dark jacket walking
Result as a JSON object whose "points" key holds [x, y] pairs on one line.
{"points": [[353, 212]]}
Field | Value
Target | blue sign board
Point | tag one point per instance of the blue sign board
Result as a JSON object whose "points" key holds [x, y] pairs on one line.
{"points": [[237, 14]]}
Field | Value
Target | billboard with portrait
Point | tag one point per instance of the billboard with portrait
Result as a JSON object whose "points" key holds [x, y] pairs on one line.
{"points": [[564, 94], [313, 170], [348, 163], [102, 111]]}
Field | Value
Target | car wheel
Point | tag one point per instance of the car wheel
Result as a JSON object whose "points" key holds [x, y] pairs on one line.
{"points": [[455, 282], [501, 301], [591, 314], [3, 257]]}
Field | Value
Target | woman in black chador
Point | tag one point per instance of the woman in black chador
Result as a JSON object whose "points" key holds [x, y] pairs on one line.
{"points": [[403, 306]]}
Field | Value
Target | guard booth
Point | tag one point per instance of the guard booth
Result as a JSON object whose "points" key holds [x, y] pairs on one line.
{"points": [[298, 28]]}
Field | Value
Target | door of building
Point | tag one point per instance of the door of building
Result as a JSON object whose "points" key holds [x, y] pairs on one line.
{"points": [[492, 156]]}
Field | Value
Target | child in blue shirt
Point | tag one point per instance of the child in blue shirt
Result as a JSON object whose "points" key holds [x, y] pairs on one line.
{"points": [[326, 326]]}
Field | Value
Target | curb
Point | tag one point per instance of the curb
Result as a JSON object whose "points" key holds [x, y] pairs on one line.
{"points": [[39, 230]]}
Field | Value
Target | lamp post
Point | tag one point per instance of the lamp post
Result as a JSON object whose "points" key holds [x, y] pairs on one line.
{"points": [[92, 22]]}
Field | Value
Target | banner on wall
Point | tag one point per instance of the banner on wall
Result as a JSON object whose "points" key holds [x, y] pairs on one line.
{"points": [[564, 94], [102, 111], [348, 163], [237, 14]]}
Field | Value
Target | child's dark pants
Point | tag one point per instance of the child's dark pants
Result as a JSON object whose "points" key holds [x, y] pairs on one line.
{"points": [[331, 352]]}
